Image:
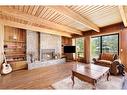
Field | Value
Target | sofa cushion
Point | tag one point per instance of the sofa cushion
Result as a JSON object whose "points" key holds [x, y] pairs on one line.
{"points": [[107, 56], [104, 63]]}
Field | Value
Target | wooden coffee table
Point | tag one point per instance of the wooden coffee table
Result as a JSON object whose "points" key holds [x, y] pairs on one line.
{"points": [[90, 73]]}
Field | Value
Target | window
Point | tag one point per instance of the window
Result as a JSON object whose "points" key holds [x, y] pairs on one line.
{"points": [[79, 47], [106, 43], [95, 47], [110, 43], [79, 43]]}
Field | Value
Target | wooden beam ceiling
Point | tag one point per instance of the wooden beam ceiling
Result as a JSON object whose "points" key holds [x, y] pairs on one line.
{"points": [[34, 28], [123, 15], [68, 12], [110, 29], [33, 19]]}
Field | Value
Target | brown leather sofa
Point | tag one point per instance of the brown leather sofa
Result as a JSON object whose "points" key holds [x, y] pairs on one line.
{"points": [[108, 60]]}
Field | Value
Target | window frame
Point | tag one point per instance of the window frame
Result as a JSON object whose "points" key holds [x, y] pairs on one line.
{"points": [[101, 36]]}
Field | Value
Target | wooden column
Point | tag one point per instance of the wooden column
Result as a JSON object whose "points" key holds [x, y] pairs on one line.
{"points": [[87, 49]]}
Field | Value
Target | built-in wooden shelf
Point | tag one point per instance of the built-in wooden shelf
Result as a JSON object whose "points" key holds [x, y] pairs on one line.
{"points": [[14, 55], [14, 41], [14, 60], [15, 46], [66, 41]]}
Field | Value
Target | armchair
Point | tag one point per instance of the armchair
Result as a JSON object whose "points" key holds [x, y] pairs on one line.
{"points": [[108, 60]]}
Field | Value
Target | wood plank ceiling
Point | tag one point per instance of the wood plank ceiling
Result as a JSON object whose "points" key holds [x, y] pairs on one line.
{"points": [[60, 20]]}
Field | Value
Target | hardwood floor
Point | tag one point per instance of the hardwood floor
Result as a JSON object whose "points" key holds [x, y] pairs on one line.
{"points": [[40, 78]]}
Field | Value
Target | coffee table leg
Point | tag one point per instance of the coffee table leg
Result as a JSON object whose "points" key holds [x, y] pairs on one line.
{"points": [[72, 77], [108, 74], [94, 85]]}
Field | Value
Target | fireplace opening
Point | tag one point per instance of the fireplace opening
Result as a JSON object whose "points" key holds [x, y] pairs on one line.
{"points": [[47, 54]]}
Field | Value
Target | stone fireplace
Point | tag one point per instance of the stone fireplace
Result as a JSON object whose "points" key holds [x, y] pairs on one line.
{"points": [[49, 49], [50, 45], [47, 54]]}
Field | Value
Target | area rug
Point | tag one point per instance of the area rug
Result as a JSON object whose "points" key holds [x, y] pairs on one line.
{"points": [[113, 83]]}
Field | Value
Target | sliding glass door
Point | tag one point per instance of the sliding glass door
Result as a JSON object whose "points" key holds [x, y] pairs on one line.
{"points": [[95, 47], [106, 43], [80, 47], [79, 43]]}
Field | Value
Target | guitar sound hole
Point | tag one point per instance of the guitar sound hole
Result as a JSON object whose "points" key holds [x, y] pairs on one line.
{"points": [[6, 65]]}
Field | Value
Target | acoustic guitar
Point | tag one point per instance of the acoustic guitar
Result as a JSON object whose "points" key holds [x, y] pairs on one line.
{"points": [[6, 68]]}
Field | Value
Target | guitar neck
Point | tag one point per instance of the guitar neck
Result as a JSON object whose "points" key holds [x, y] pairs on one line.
{"points": [[4, 58]]}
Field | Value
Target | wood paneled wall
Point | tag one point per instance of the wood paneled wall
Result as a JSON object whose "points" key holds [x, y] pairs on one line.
{"points": [[9, 32], [123, 47]]}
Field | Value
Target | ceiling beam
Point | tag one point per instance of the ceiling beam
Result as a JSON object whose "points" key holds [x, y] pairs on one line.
{"points": [[123, 15], [114, 28], [33, 28], [33, 19], [77, 17]]}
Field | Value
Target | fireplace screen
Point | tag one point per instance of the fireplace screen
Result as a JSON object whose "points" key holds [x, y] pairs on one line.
{"points": [[47, 54]]}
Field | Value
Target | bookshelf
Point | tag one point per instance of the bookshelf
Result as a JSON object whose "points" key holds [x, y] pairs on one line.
{"points": [[15, 47]]}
